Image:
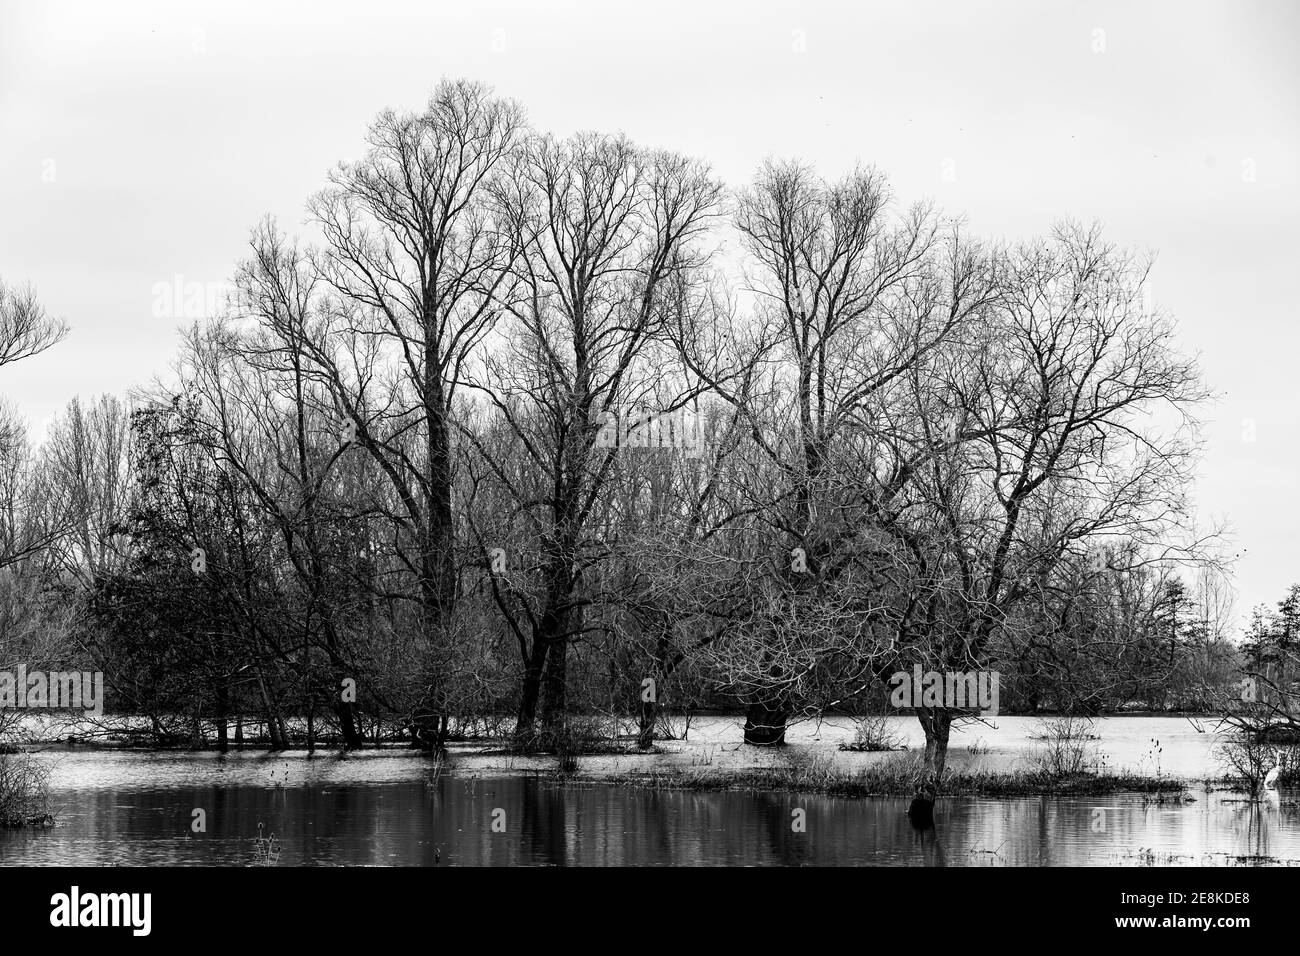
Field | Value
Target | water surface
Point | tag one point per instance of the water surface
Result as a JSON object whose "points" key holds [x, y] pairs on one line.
{"points": [[385, 808]]}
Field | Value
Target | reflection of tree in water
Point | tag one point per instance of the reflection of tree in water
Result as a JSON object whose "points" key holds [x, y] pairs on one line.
{"points": [[543, 822], [784, 845], [926, 839], [1261, 818]]}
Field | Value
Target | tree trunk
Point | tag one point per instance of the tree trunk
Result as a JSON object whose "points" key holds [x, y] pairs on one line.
{"points": [[344, 710], [545, 676], [223, 711], [645, 737], [273, 733], [346, 713], [274, 725], [531, 690], [438, 544], [554, 685], [937, 725], [426, 721], [765, 724]]}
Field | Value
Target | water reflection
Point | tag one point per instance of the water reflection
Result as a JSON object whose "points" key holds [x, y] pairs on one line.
{"points": [[450, 822]]}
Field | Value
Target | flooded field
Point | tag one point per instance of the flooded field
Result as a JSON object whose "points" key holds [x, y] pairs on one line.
{"points": [[387, 808]]}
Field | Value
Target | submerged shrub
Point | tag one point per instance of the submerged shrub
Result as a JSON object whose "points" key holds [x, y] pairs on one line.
{"points": [[1067, 747], [24, 791], [874, 733], [1247, 755]]}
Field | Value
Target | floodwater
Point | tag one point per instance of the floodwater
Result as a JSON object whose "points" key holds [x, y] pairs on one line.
{"points": [[383, 808]]}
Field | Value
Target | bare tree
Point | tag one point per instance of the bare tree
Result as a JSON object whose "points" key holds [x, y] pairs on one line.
{"points": [[608, 232], [26, 329], [415, 259], [849, 298], [1069, 410], [86, 459]]}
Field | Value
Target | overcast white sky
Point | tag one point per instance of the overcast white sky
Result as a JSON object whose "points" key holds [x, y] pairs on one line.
{"points": [[141, 142]]}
